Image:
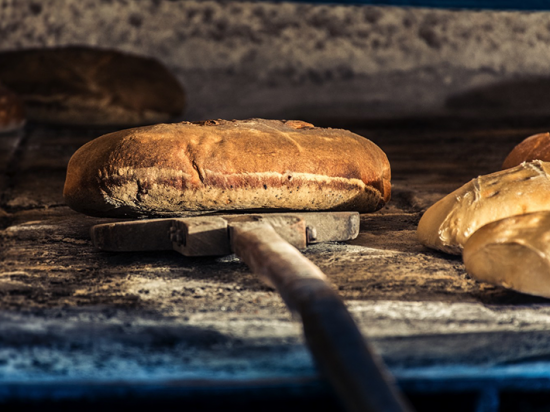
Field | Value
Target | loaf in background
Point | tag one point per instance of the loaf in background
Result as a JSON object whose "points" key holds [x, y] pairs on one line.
{"points": [[536, 147], [12, 113], [91, 87]]}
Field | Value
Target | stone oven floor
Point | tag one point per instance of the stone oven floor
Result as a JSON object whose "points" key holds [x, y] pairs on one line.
{"points": [[76, 322]]}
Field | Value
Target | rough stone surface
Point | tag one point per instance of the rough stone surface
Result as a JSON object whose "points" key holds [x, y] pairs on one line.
{"points": [[287, 60], [70, 313]]}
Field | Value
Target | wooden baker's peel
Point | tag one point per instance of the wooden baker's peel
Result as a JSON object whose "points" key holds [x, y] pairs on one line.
{"points": [[268, 244]]}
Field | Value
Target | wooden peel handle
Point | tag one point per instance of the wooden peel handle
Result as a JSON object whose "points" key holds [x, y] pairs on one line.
{"points": [[341, 352]]}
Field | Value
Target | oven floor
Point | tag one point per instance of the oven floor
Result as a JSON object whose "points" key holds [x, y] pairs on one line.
{"points": [[77, 323]]}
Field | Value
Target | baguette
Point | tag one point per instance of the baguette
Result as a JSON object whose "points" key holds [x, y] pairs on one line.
{"points": [[447, 224], [513, 253], [167, 169]]}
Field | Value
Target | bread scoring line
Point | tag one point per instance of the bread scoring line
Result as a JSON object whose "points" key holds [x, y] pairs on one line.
{"points": [[285, 136]]}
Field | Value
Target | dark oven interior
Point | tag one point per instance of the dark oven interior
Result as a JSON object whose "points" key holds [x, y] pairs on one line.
{"points": [[446, 93]]}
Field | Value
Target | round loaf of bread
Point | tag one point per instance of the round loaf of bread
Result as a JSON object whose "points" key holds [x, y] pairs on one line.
{"points": [[513, 253], [167, 169], [447, 224], [12, 114], [91, 87], [536, 147]]}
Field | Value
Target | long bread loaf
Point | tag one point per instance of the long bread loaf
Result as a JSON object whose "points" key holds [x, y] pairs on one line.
{"points": [[513, 253], [167, 169], [448, 223]]}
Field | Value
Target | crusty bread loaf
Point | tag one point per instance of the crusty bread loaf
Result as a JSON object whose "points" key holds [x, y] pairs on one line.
{"points": [[536, 147], [447, 224], [12, 114], [166, 169], [513, 253], [87, 86]]}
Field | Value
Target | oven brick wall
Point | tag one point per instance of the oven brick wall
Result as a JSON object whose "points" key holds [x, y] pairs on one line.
{"points": [[240, 59]]}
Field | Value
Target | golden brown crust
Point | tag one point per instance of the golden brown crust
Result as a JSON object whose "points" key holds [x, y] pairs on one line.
{"points": [[82, 85], [227, 165], [536, 147], [12, 113], [513, 253], [449, 223]]}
